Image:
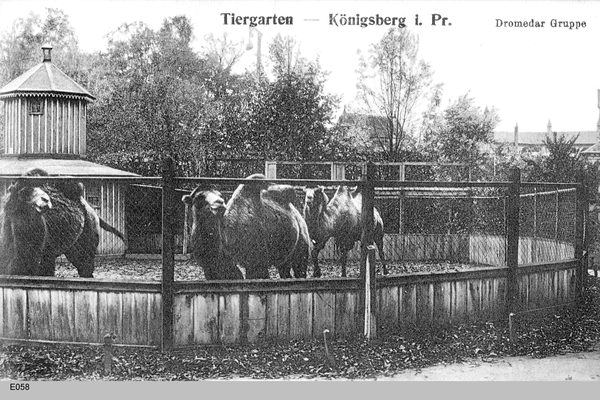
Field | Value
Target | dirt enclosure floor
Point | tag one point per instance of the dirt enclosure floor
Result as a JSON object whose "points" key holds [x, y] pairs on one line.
{"points": [[150, 268]]}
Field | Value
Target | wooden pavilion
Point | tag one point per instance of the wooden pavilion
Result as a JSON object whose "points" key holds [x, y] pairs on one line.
{"points": [[45, 127]]}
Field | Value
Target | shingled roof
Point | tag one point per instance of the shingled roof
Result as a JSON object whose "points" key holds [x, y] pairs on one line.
{"points": [[45, 79]]}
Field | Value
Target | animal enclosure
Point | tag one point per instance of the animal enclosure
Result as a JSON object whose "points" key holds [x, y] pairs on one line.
{"points": [[525, 242]]}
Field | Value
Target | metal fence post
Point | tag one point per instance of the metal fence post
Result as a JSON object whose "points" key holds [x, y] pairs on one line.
{"points": [[368, 294], [512, 241], [168, 254], [580, 206]]}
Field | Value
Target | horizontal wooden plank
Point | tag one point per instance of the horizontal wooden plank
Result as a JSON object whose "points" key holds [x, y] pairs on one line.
{"points": [[50, 282], [268, 285]]}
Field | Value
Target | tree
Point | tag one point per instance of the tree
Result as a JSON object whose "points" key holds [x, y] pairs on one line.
{"points": [[562, 163], [393, 84], [156, 93], [20, 46], [284, 53], [292, 114], [464, 135]]}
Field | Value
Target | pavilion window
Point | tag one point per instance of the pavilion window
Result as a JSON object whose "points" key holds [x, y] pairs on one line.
{"points": [[36, 107]]}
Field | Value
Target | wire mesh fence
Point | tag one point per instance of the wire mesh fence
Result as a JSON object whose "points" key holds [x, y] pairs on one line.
{"points": [[428, 222]]}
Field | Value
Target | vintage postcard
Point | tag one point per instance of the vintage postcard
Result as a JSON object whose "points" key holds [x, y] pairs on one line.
{"points": [[299, 191]]}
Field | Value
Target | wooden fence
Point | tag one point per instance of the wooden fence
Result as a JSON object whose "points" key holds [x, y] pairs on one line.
{"points": [[473, 249], [207, 313]]}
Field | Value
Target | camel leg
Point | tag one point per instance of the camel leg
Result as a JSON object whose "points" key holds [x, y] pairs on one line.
{"points": [[343, 261], [47, 265], [284, 271], [300, 260], [257, 272], [379, 243], [315, 259], [82, 255]]}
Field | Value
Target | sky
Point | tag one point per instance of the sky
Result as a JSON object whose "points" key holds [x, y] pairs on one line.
{"points": [[531, 75]]}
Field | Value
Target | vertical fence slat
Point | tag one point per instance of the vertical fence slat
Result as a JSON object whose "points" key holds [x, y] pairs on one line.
{"points": [[459, 301], [206, 318], [229, 318], [283, 316], [183, 319], [301, 315], [257, 316], [345, 313], [40, 310], [110, 318], [324, 313], [388, 308], [15, 315], [86, 316], [408, 308], [63, 315]]}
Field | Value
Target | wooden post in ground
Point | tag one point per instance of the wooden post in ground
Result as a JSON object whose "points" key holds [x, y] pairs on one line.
{"points": [[368, 294], [580, 206], [512, 242], [108, 353], [168, 253]]}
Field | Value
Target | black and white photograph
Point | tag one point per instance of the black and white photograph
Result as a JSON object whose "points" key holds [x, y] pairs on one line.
{"points": [[373, 191]]}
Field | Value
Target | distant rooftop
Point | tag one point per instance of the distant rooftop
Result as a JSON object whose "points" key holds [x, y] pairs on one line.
{"points": [[586, 138]]}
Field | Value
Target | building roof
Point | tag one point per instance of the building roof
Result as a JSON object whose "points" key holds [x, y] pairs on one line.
{"points": [[595, 149], [16, 166], [586, 138], [45, 79]]}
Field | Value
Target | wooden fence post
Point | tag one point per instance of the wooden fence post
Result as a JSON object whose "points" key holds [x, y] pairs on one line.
{"points": [[512, 241], [108, 353], [580, 206], [368, 294], [271, 169], [168, 254]]}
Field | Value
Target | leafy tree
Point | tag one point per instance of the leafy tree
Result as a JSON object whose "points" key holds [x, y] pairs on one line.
{"points": [[393, 84], [284, 53], [20, 45], [464, 135], [562, 163], [156, 91]]}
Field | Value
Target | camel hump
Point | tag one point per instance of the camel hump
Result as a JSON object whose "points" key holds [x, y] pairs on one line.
{"points": [[252, 189], [36, 172], [282, 194], [256, 176]]}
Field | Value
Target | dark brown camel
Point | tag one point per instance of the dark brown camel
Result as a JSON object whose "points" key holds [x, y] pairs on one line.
{"points": [[38, 223], [257, 228], [341, 219]]}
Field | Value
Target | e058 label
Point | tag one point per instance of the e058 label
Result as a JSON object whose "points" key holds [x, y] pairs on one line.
{"points": [[19, 386]]}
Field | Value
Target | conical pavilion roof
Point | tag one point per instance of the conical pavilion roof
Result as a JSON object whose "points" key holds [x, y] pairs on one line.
{"points": [[45, 79]]}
